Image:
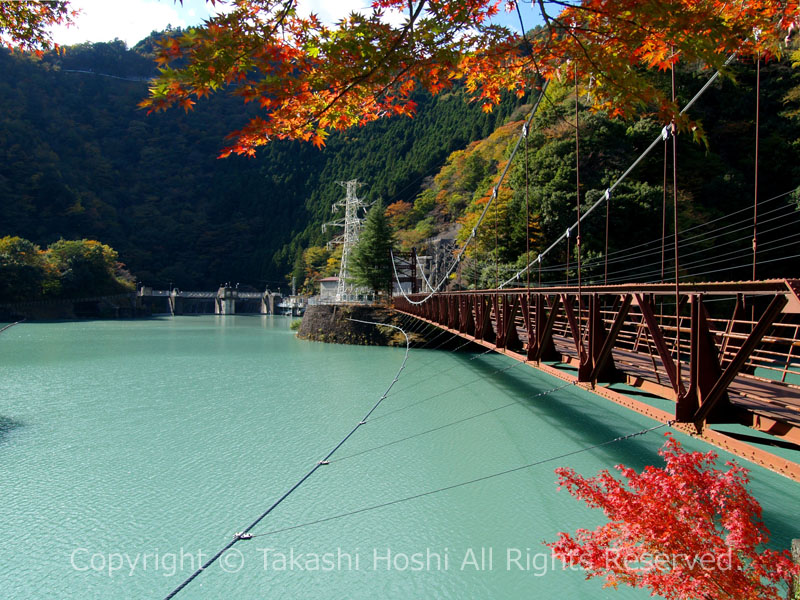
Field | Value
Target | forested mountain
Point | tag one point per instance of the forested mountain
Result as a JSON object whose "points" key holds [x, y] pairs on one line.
{"points": [[716, 177], [78, 159]]}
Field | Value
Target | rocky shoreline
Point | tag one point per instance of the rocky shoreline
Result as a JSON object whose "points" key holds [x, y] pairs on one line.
{"points": [[333, 324]]}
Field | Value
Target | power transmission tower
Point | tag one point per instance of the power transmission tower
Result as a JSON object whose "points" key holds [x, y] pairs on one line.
{"points": [[352, 227]]}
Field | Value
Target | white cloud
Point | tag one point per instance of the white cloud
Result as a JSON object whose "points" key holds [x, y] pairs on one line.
{"points": [[128, 20]]}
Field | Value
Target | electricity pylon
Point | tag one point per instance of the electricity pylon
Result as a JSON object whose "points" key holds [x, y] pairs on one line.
{"points": [[351, 223]]}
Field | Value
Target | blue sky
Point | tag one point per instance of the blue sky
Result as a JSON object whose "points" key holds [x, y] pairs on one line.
{"points": [[132, 20]]}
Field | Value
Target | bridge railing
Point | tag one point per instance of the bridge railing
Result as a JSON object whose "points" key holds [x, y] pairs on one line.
{"points": [[731, 353], [777, 356], [214, 294]]}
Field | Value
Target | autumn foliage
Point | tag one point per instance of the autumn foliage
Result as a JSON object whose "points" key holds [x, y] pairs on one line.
{"points": [[688, 530], [309, 78], [26, 25]]}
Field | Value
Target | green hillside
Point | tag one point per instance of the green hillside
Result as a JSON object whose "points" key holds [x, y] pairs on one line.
{"points": [[715, 189], [79, 160]]}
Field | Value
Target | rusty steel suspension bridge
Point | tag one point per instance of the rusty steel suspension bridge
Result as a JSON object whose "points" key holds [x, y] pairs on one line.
{"points": [[699, 355]]}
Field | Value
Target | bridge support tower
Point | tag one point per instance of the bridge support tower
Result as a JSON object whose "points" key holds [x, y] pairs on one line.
{"points": [[268, 300]]}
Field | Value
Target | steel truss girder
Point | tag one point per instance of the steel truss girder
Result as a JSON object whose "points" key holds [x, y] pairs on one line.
{"points": [[616, 331]]}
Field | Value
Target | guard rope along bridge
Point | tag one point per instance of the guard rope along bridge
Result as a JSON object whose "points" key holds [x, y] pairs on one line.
{"points": [[246, 533]]}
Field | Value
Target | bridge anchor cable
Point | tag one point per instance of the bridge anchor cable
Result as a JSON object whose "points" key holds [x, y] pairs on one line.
{"points": [[246, 533]]}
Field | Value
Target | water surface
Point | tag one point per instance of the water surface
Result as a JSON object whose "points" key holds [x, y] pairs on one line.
{"points": [[130, 449]]}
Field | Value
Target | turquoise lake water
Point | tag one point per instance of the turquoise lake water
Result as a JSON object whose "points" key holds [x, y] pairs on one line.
{"points": [[130, 449]]}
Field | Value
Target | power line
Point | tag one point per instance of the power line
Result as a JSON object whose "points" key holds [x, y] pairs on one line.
{"points": [[137, 79]]}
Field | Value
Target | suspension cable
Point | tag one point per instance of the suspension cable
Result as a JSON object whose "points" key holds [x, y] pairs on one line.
{"points": [[578, 213], [422, 272], [675, 233], [496, 242], [664, 211], [605, 253], [474, 232], [722, 258], [527, 212], [785, 215], [755, 187], [620, 179], [627, 252]]}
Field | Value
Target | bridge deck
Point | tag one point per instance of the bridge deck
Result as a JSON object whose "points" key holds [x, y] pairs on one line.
{"points": [[713, 369], [767, 398]]}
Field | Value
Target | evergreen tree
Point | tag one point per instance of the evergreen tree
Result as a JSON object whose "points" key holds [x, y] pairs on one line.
{"points": [[370, 263]]}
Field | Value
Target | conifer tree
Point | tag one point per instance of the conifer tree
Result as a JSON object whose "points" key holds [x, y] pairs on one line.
{"points": [[370, 262]]}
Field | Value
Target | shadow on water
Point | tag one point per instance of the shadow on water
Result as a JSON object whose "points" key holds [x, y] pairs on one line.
{"points": [[585, 429], [582, 428], [7, 425], [761, 441]]}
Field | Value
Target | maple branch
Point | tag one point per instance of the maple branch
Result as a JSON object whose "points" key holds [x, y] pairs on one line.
{"points": [[411, 21], [287, 5], [569, 31], [316, 78], [596, 11], [394, 80], [246, 51], [361, 78]]}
